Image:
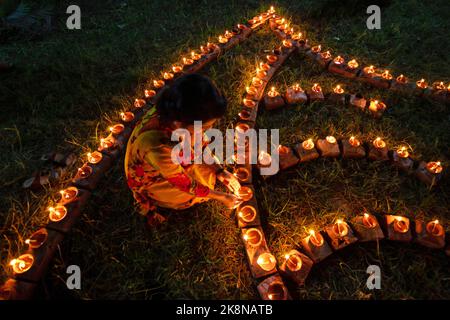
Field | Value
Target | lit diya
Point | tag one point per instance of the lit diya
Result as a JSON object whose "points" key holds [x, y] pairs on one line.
{"points": [[401, 79], [256, 82], [338, 60], [253, 237], [264, 66], [369, 70], [84, 172], [245, 193], [338, 89], [264, 159], [177, 68], [149, 93], [168, 75], [315, 238], [439, 86], [127, 116], [187, 61], [195, 56], [316, 49], [57, 213], [266, 261], [106, 143], [435, 229], [354, 142], [308, 144], [69, 194], [298, 36], [249, 103], [260, 73], [223, 39], [376, 106], [287, 44], [369, 221], [353, 64], [316, 88], [293, 262], [379, 143], [400, 225], [22, 264], [139, 103], [251, 90], [386, 75], [244, 115], [331, 139], [242, 174], [340, 228], [94, 157], [434, 167], [158, 83], [402, 152], [37, 239], [326, 54], [247, 214], [117, 128], [271, 58], [422, 84]]}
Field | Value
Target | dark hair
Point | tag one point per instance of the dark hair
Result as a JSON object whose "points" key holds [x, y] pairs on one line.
{"points": [[191, 97]]}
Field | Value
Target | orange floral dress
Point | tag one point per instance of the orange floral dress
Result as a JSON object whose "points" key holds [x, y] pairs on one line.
{"points": [[154, 178]]}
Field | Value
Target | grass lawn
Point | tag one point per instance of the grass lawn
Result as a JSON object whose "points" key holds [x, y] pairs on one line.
{"points": [[69, 86]]}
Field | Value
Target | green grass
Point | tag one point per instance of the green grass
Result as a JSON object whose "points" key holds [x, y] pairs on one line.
{"points": [[68, 87]]}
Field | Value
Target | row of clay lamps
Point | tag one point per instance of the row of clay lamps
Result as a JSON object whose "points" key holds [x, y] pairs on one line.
{"points": [[370, 74], [261, 261], [352, 148], [297, 95], [318, 245], [30, 267]]}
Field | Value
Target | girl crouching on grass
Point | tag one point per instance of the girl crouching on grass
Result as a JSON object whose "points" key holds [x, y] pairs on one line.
{"points": [[156, 180]]}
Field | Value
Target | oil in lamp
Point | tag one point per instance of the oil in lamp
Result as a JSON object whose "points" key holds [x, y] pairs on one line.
{"points": [[249, 103], [84, 172], [340, 234], [271, 58], [242, 174], [168, 76], [245, 193]]}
